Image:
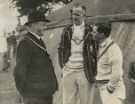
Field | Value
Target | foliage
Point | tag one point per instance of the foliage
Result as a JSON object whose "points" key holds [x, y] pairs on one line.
{"points": [[24, 7]]}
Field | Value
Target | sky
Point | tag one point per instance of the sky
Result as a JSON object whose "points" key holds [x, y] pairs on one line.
{"points": [[8, 16]]}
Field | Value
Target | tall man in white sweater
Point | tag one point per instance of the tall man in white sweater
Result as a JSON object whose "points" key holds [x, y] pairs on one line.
{"points": [[109, 78], [77, 58]]}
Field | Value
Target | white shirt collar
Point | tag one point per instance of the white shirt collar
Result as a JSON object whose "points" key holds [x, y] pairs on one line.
{"points": [[79, 26], [105, 42]]}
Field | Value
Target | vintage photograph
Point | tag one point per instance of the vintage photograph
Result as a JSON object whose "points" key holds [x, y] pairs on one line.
{"points": [[67, 52]]}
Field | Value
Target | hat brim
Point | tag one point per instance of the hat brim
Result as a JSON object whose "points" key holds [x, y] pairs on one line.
{"points": [[30, 22]]}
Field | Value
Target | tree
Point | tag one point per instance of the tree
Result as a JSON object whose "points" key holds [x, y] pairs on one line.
{"points": [[24, 7]]}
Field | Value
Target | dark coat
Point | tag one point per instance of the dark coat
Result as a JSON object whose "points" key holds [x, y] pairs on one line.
{"points": [[34, 73], [89, 51], [131, 73]]}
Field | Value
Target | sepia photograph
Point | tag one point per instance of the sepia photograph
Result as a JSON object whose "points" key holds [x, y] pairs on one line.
{"points": [[67, 52]]}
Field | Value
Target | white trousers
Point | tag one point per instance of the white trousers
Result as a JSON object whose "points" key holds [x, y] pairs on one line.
{"points": [[76, 88], [110, 98]]}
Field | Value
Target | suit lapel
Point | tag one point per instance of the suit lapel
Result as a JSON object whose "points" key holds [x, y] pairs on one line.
{"points": [[36, 41]]}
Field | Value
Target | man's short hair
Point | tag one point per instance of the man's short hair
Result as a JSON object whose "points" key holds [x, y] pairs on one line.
{"points": [[77, 5], [104, 28]]}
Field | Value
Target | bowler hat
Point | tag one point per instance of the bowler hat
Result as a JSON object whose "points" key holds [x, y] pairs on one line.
{"points": [[36, 16]]}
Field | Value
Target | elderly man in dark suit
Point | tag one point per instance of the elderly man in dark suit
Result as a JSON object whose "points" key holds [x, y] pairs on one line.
{"points": [[34, 73]]}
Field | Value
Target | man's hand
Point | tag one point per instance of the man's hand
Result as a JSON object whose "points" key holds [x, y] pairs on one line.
{"points": [[110, 89]]}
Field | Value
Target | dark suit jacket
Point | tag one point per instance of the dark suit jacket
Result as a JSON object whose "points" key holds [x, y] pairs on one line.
{"points": [[34, 72]]}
